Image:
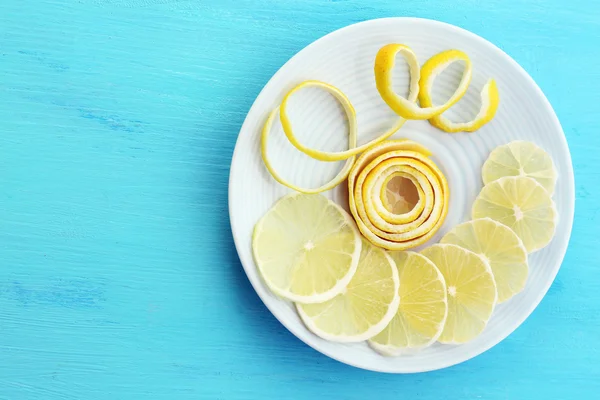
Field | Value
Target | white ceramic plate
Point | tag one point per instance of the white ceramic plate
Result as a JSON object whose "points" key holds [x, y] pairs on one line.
{"points": [[345, 59]]}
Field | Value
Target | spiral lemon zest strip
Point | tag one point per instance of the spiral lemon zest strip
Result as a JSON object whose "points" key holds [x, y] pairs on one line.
{"points": [[352, 134], [342, 155], [384, 64], [490, 100]]}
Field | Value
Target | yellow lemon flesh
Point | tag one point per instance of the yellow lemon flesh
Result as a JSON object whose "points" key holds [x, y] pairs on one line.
{"points": [[423, 307], [471, 291], [378, 166], [520, 158], [306, 248], [502, 249], [522, 204], [366, 306]]}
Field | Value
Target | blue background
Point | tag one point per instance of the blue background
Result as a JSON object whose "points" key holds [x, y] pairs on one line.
{"points": [[118, 274]]}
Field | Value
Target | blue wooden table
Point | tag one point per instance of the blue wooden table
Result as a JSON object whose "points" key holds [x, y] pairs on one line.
{"points": [[118, 274]]}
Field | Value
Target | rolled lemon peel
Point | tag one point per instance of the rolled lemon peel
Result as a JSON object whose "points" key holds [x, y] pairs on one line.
{"points": [[352, 134], [404, 107], [373, 220], [381, 203]]}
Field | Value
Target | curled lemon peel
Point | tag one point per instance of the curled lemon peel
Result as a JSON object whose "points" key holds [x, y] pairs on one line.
{"points": [[420, 84], [350, 113], [490, 100], [334, 155], [404, 107]]}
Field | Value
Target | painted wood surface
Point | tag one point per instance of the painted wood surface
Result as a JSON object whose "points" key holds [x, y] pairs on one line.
{"points": [[118, 274]]}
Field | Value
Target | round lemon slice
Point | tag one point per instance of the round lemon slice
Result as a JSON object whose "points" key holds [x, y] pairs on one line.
{"points": [[406, 107], [471, 290], [351, 115], [490, 100], [366, 306], [423, 307], [520, 158], [306, 248], [522, 204], [502, 249]]}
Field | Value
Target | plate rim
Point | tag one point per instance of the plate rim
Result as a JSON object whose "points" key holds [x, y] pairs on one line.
{"points": [[555, 121]]}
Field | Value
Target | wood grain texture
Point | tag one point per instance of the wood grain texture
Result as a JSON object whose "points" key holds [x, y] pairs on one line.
{"points": [[118, 274]]}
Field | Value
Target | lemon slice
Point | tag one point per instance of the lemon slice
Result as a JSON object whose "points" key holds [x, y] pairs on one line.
{"points": [[351, 115], [407, 107], [423, 307], [471, 290], [522, 204], [490, 99], [502, 249], [520, 158], [306, 248], [366, 306]]}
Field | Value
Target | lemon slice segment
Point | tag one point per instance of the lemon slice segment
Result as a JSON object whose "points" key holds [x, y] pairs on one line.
{"points": [[407, 107], [366, 306], [522, 204], [471, 290], [520, 158], [490, 100], [351, 115], [423, 307], [306, 248], [500, 246]]}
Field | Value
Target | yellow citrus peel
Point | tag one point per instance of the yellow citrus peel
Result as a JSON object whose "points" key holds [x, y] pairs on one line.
{"points": [[490, 99], [333, 155], [351, 115], [385, 62], [421, 82], [376, 167]]}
